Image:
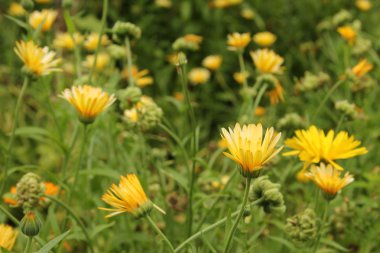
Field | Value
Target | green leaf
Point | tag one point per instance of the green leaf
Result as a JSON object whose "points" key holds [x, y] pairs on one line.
{"points": [[100, 228], [284, 242], [51, 244], [176, 176], [105, 172], [17, 21], [334, 245]]}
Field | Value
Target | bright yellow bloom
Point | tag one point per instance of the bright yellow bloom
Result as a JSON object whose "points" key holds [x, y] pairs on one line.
{"points": [[101, 62], [348, 33], [8, 237], [199, 75], [44, 18], [140, 78], [267, 61], [249, 149], [362, 68], [128, 196], [16, 9], [240, 77], [212, 62], [224, 3], [264, 39], [276, 95], [314, 146], [132, 115], [91, 42], [89, 101], [65, 41], [328, 179], [363, 5], [37, 61], [247, 13], [238, 41]]}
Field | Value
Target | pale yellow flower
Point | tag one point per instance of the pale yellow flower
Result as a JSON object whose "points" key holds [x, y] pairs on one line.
{"points": [[267, 61], [101, 62], [65, 41], [363, 5], [247, 13], [16, 9], [163, 3], [264, 39], [238, 41], [224, 3], [240, 77], [362, 68], [348, 33], [43, 19], [131, 115], [140, 77], [199, 75], [8, 236], [212, 62], [91, 42]]}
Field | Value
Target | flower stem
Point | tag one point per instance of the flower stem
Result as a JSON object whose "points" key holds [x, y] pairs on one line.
{"points": [[129, 61], [329, 93], [242, 69], [12, 137], [28, 244], [71, 29], [320, 231], [234, 226], [166, 240]]}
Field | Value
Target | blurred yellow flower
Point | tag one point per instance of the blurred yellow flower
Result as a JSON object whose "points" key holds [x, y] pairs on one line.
{"points": [[247, 13], [267, 61], [328, 179], [193, 38], [212, 62], [140, 78], [240, 77], [348, 33], [163, 3], [260, 111], [363, 5], [276, 95], [89, 101], [65, 41], [43, 1], [8, 237], [91, 42], [199, 75], [10, 198], [362, 68], [238, 41], [224, 3], [131, 115], [264, 39], [314, 146], [249, 149], [101, 62], [179, 96], [16, 9], [43, 19], [37, 61], [128, 196]]}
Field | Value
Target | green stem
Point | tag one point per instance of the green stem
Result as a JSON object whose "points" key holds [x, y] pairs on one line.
{"points": [[242, 68], [101, 32], [320, 231], [166, 240], [129, 61], [28, 244], [71, 29], [257, 101], [212, 226], [329, 93], [234, 226], [12, 137]]}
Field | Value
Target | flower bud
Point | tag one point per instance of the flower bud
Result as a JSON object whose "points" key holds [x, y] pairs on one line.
{"points": [[116, 52], [29, 190], [181, 44], [121, 30], [27, 4], [67, 4], [181, 59], [31, 224], [128, 96], [302, 227], [346, 108]]}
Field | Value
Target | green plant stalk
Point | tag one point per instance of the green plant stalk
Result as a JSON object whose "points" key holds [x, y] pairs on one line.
{"points": [[71, 29], [234, 226], [327, 96], [257, 101], [320, 231], [212, 226], [129, 61], [242, 68], [12, 137], [101, 32], [166, 240], [28, 244]]}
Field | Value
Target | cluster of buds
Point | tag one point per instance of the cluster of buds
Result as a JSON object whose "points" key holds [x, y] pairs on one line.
{"points": [[122, 30], [291, 121], [29, 191], [302, 227], [346, 108], [188, 42], [330, 23], [311, 81], [129, 96]]}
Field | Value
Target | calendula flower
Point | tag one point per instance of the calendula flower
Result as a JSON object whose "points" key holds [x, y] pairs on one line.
{"points": [[363, 5], [276, 95], [212, 62], [43, 19], [348, 33], [328, 179], [193, 38], [264, 39], [10, 198], [132, 115], [247, 13], [92, 41], [128, 196], [43, 1], [65, 41], [16, 9], [224, 3], [8, 237], [238, 41], [37, 61], [267, 61], [314, 146], [249, 148], [260, 111], [163, 3], [199, 75], [89, 101], [178, 96], [101, 62], [140, 77], [240, 77], [362, 68]]}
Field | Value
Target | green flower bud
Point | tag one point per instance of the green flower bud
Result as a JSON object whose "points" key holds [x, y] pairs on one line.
{"points": [[150, 116], [311, 81], [341, 17], [346, 108], [292, 121], [116, 52], [181, 44], [121, 30], [29, 190], [27, 5], [30, 224], [267, 79], [128, 96], [181, 59], [67, 4], [361, 46], [143, 210], [302, 227]]}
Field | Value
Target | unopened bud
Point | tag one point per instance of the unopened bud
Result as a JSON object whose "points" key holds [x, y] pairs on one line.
{"points": [[30, 224]]}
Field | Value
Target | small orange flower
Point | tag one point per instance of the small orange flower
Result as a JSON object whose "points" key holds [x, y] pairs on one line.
{"points": [[362, 68], [348, 33]]}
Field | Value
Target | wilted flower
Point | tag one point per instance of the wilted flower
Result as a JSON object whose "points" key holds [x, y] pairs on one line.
{"points": [[43, 19], [362, 68], [8, 237], [102, 61], [65, 41], [276, 95], [267, 61], [29, 190], [140, 77], [363, 5], [16, 9], [348, 33], [199, 75], [302, 227], [238, 41], [92, 41], [212, 62], [264, 39]]}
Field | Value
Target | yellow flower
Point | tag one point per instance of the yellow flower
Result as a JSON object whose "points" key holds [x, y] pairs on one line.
{"points": [[43, 19], [16, 9], [101, 62], [8, 237], [276, 95], [363, 5], [132, 115], [89, 101], [212, 62], [348, 33], [199, 75], [362, 68], [264, 39], [163, 3], [247, 13], [240, 77], [267, 61], [328, 179], [128, 196], [43, 1], [260, 111], [65, 41], [91, 42], [249, 149], [193, 38], [140, 78], [238, 41], [314, 146], [224, 3], [37, 61]]}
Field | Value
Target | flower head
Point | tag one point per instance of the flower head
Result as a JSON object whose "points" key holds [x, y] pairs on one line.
{"points": [[43, 19], [362, 68], [238, 41], [102, 61], [128, 196], [212, 62], [65, 41], [249, 149], [92, 41], [89, 101], [267, 61], [221, 4], [363, 5], [16, 9], [240, 77], [276, 95], [199, 75], [8, 237], [140, 77], [348, 33], [264, 39], [37, 61], [328, 179]]}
